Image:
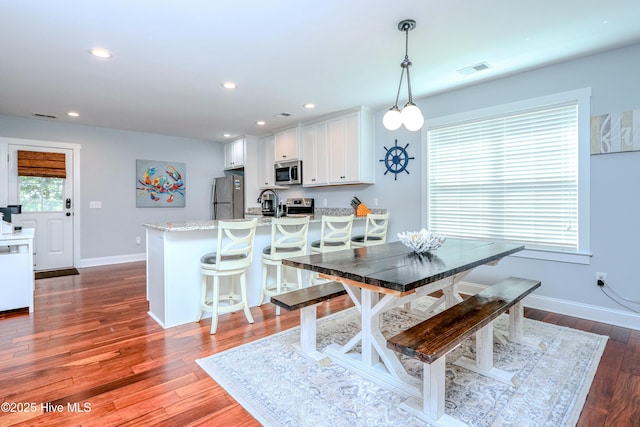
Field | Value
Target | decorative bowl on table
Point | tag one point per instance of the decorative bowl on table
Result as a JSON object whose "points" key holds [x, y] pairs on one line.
{"points": [[422, 241]]}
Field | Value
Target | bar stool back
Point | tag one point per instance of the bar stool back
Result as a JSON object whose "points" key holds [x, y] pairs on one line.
{"points": [[375, 231], [288, 239], [335, 235], [233, 255]]}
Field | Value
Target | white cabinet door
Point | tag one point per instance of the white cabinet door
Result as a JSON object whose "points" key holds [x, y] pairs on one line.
{"points": [[336, 146], [234, 154], [266, 153], [351, 149], [286, 145], [315, 162]]}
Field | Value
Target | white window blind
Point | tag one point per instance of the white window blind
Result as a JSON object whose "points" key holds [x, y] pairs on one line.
{"points": [[511, 177]]}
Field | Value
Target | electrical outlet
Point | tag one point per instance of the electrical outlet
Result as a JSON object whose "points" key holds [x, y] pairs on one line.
{"points": [[138, 240], [601, 277]]}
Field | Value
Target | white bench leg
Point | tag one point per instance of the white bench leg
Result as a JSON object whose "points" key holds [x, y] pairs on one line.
{"points": [[308, 335], [516, 324], [483, 364], [431, 409]]}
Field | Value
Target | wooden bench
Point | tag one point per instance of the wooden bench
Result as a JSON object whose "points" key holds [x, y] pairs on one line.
{"points": [[306, 300], [430, 340]]}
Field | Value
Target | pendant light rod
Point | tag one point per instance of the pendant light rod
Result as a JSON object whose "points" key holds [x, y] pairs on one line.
{"points": [[406, 26]]}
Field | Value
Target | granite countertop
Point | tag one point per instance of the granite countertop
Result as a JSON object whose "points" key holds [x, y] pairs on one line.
{"points": [[262, 220]]}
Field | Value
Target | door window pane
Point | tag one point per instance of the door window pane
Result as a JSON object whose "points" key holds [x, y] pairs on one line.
{"points": [[39, 194]]}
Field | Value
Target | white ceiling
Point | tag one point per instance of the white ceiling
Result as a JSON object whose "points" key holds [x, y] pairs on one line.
{"points": [[171, 57]]}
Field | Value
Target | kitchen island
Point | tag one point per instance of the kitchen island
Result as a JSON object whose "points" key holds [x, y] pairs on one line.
{"points": [[173, 263]]}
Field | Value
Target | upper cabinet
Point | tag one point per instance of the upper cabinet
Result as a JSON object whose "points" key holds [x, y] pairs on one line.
{"points": [[265, 152], [234, 154], [286, 145], [315, 164], [340, 150]]}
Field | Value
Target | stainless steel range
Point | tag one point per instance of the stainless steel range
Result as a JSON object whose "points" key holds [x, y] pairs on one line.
{"points": [[300, 206]]}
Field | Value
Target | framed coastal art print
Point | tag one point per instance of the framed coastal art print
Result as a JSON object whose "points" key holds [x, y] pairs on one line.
{"points": [[160, 184]]}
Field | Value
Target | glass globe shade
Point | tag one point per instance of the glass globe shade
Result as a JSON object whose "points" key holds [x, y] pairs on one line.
{"points": [[392, 119], [412, 117]]}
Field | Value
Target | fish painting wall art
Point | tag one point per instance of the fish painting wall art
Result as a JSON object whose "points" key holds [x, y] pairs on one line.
{"points": [[160, 184]]}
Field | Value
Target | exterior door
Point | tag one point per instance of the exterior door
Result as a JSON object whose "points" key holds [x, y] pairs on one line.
{"points": [[47, 206]]}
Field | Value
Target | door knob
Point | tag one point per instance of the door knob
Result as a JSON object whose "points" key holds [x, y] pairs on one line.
{"points": [[68, 214]]}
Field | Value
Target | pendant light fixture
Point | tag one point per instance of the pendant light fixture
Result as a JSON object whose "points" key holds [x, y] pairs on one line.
{"points": [[410, 116]]}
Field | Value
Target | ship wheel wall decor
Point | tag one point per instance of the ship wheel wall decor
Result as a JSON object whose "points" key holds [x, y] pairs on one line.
{"points": [[396, 160]]}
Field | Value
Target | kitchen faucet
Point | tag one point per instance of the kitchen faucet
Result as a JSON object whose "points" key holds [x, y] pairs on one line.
{"points": [[276, 206]]}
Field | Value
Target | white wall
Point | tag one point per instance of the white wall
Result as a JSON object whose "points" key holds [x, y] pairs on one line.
{"points": [[107, 173]]}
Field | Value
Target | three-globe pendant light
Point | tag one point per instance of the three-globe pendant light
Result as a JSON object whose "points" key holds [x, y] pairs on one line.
{"points": [[410, 116]]}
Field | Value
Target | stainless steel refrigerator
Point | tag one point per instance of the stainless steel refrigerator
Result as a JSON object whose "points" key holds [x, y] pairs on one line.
{"points": [[228, 197]]}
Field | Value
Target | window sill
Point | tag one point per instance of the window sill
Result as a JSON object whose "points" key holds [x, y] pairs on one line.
{"points": [[557, 256]]}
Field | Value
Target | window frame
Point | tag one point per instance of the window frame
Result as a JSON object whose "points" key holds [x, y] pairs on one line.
{"points": [[583, 97]]}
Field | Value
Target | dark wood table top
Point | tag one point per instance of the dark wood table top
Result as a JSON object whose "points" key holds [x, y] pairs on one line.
{"points": [[395, 267]]}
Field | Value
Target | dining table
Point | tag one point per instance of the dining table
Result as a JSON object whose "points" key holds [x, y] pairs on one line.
{"points": [[382, 277]]}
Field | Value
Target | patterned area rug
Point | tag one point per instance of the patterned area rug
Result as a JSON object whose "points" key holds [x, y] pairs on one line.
{"points": [[279, 387]]}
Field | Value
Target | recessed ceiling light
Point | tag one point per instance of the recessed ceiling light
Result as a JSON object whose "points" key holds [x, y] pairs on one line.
{"points": [[227, 135], [309, 106], [229, 85], [261, 123], [73, 114], [100, 52]]}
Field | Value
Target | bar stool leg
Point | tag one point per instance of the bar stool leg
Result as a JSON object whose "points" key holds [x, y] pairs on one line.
{"points": [[243, 292], [214, 305]]}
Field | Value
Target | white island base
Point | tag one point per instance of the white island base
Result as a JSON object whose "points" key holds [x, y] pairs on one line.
{"points": [[173, 266]]}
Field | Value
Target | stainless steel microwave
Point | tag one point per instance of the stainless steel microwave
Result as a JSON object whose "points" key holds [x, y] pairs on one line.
{"points": [[288, 172]]}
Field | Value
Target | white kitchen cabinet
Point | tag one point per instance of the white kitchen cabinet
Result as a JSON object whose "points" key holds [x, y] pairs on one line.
{"points": [[234, 153], [286, 145], [266, 154], [315, 165], [16, 268], [351, 148]]}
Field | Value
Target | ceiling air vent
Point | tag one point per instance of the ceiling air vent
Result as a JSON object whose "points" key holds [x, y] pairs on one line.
{"points": [[283, 115], [473, 68], [46, 116]]}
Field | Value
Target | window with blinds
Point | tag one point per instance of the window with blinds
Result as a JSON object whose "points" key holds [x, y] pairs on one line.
{"points": [[510, 177]]}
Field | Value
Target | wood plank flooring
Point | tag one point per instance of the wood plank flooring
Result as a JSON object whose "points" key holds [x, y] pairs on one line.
{"points": [[90, 355]]}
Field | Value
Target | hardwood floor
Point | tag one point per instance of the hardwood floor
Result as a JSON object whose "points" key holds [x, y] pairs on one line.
{"points": [[90, 355]]}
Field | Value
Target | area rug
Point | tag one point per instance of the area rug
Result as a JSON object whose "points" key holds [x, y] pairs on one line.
{"points": [[56, 273], [279, 387]]}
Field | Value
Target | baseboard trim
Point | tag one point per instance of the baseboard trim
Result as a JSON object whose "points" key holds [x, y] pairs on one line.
{"points": [[120, 259], [569, 308]]}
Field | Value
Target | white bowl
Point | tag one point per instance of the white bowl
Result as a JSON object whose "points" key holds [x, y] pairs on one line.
{"points": [[422, 241]]}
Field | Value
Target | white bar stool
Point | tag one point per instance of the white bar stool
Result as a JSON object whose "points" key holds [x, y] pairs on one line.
{"points": [[288, 239], [335, 235], [375, 231], [233, 255]]}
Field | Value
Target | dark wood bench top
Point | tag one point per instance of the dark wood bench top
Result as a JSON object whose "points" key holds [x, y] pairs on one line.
{"points": [[436, 336], [308, 296]]}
